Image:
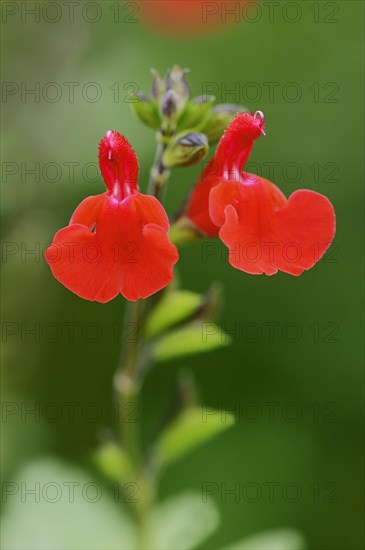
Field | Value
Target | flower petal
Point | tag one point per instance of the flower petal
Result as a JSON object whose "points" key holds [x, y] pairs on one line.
{"points": [[307, 226], [266, 233], [197, 209], [88, 210], [153, 271], [129, 252]]}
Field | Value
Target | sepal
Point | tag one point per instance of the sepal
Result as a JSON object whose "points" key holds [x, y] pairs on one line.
{"points": [[195, 112], [219, 119], [185, 149], [147, 110], [182, 231]]}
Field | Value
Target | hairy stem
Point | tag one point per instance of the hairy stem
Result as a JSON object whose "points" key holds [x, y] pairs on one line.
{"points": [[159, 173], [128, 382]]}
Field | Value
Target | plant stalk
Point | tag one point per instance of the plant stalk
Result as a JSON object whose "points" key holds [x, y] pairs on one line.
{"points": [[128, 380], [159, 172]]}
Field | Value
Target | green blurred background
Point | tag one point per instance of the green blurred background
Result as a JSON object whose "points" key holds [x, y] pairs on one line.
{"points": [[320, 374]]}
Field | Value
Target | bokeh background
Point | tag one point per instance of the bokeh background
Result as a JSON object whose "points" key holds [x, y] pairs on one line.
{"points": [[319, 374]]}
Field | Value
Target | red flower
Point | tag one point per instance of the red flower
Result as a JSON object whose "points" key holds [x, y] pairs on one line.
{"points": [[116, 242], [264, 231], [192, 16]]}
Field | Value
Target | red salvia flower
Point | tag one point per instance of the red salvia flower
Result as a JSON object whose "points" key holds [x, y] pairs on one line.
{"points": [[193, 16], [264, 231], [116, 242]]}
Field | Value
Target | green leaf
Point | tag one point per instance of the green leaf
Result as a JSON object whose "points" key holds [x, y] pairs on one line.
{"points": [[68, 510], [198, 337], [183, 522], [173, 308], [190, 430], [113, 462], [280, 539]]}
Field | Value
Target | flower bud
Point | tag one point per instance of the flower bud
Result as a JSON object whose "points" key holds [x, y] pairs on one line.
{"points": [[158, 85], [174, 93], [176, 80], [171, 105], [185, 149], [147, 111], [219, 119]]}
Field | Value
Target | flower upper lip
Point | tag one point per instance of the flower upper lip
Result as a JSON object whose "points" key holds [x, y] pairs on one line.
{"points": [[118, 165]]}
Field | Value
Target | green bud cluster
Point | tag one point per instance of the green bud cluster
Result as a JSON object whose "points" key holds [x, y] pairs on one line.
{"points": [[185, 126]]}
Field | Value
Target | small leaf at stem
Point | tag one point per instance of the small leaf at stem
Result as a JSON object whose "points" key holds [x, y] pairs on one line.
{"points": [[173, 308], [191, 429], [198, 337], [113, 462]]}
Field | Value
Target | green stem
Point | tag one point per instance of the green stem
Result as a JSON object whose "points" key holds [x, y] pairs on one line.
{"points": [[127, 383], [159, 173], [128, 386], [128, 380]]}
